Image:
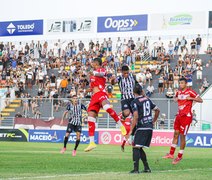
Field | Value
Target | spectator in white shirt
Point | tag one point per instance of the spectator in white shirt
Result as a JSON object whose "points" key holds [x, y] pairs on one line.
{"points": [[138, 44], [40, 78], [141, 78], [150, 90], [118, 45], [148, 76], [29, 75], [199, 73]]}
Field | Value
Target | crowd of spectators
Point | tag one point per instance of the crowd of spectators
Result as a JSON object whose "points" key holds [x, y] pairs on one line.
{"points": [[57, 70]]}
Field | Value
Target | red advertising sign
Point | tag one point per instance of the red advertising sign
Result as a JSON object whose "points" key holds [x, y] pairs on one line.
{"points": [[159, 138]]}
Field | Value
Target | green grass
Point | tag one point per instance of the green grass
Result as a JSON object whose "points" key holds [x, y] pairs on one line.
{"points": [[43, 161]]}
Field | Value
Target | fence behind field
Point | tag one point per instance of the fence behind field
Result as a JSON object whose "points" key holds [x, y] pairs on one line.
{"points": [[46, 110]]}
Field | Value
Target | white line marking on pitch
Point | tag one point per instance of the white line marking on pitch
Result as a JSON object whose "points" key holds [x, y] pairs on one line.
{"points": [[102, 173]]}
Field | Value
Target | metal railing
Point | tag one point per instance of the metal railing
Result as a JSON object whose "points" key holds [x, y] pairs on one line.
{"points": [[47, 109]]}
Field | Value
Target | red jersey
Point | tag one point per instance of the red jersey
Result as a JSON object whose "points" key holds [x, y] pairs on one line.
{"points": [[184, 105], [99, 82]]}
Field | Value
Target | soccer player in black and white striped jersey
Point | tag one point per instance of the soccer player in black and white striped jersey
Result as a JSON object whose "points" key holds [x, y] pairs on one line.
{"points": [[126, 82], [75, 122]]}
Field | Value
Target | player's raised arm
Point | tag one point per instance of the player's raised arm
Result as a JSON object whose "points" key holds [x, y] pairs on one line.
{"points": [[196, 99]]}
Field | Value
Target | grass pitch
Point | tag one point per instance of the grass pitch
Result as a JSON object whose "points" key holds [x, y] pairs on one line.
{"points": [[43, 161]]}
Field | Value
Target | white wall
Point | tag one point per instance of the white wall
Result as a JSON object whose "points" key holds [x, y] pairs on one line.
{"points": [[203, 110], [53, 9]]}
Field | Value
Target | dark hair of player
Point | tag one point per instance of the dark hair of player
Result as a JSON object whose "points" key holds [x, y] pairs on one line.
{"points": [[138, 89], [98, 60], [125, 68], [183, 79]]}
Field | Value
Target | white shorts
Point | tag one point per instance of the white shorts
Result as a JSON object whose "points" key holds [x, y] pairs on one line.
{"points": [[189, 84], [199, 75], [52, 85]]}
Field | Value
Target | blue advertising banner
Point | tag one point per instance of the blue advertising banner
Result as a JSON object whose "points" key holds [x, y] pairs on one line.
{"points": [[21, 28], [199, 140], [122, 23], [57, 136]]}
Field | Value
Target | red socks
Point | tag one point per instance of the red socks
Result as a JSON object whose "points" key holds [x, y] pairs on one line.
{"points": [[180, 154], [123, 143], [172, 149], [91, 128], [113, 114]]}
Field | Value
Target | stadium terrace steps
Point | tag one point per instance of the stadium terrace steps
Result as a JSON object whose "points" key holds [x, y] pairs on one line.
{"points": [[11, 108], [5, 114], [7, 109], [14, 105]]}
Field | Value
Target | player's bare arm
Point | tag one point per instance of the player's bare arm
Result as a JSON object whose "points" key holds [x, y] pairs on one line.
{"points": [[134, 122], [63, 117], [113, 80], [157, 112], [196, 99]]}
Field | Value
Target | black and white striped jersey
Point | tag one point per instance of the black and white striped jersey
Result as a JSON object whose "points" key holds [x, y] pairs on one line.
{"points": [[126, 86], [75, 113]]}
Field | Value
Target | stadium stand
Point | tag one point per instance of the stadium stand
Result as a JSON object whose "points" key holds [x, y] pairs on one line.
{"points": [[26, 71]]}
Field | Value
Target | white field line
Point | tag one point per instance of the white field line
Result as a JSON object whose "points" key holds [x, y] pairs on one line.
{"points": [[102, 173]]}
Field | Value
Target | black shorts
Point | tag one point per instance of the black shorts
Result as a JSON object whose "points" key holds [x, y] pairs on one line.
{"points": [[55, 102], [75, 128], [126, 104], [142, 138], [162, 123], [160, 85], [40, 81]]}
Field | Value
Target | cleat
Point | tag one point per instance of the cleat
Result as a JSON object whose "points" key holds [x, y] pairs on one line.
{"points": [[123, 130], [62, 151], [134, 172], [90, 147], [176, 160], [122, 148], [74, 153], [168, 156], [147, 171]]}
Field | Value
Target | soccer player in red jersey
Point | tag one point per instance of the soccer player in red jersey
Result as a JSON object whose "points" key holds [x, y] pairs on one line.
{"points": [[99, 100], [185, 98]]}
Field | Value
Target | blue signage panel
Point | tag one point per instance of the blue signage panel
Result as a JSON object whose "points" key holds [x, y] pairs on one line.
{"points": [[57, 136], [122, 23], [21, 28], [199, 140]]}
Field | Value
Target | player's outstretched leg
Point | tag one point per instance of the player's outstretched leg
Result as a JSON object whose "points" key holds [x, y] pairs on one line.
{"points": [[123, 144], [91, 132], [144, 160], [113, 114], [65, 143]]}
